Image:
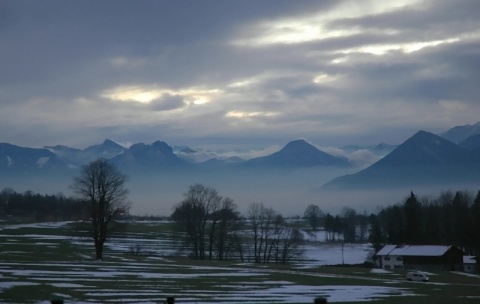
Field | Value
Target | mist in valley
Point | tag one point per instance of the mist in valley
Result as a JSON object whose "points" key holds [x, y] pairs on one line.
{"points": [[287, 191]]}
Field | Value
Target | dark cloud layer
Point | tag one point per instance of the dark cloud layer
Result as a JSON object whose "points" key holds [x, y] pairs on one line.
{"points": [[335, 72]]}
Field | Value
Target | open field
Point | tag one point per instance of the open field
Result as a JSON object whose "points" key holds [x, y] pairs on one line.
{"points": [[39, 262]]}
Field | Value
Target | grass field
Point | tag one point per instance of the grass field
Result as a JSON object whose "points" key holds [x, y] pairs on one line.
{"points": [[40, 262]]}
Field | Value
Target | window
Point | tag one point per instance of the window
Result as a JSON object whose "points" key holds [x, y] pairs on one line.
{"points": [[386, 258], [399, 258]]}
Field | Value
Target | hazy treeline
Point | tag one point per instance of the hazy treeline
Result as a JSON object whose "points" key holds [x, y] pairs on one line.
{"points": [[348, 226], [38, 207], [449, 219], [214, 229]]}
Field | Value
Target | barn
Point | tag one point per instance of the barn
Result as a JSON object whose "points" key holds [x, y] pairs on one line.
{"points": [[424, 257]]}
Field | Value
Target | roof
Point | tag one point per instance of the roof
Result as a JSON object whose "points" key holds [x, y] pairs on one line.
{"points": [[469, 259], [386, 249], [414, 250]]}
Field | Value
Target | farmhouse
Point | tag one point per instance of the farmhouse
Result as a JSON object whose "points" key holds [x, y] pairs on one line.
{"points": [[426, 257]]}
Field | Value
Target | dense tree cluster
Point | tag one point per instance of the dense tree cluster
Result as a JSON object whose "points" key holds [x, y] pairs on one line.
{"points": [[38, 207], [349, 226], [209, 221], [272, 239], [450, 219], [314, 215], [213, 229]]}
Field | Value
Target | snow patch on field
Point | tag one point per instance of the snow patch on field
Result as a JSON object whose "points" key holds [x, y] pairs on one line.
{"points": [[144, 282]]}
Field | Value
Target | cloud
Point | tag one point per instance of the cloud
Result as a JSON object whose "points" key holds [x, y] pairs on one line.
{"points": [[168, 102], [243, 75]]}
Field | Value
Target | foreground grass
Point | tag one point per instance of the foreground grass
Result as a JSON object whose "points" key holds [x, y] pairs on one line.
{"points": [[39, 263]]}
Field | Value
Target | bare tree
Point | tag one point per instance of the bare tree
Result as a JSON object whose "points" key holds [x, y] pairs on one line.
{"points": [[102, 189], [263, 221], [227, 231], [313, 214], [193, 213], [273, 238], [256, 217], [289, 245], [208, 220]]}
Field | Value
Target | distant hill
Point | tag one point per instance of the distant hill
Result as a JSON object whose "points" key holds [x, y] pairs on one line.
{"points": [[158, 155], [381, 149], [108, 149], [423, 159], [20, 161], [471, 143], [460, 133], [297, 154], [215, 163]]}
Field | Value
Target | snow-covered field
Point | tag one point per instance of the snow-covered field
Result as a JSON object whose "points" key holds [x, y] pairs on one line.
{"points": [[29, 263]]}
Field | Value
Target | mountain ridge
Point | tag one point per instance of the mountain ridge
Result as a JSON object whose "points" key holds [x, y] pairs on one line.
{"points": [[460, 133], [424, 158], [422, 150], [297, 154]]}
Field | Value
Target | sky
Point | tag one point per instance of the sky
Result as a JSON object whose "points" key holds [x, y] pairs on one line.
{"points": [[236, 74]]}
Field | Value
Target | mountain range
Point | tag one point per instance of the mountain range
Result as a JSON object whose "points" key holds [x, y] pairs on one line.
{"points": [[155, 156], [424, 158]]}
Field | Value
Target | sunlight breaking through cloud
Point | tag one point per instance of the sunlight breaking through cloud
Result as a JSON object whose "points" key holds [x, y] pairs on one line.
{"points": [[316, 27], [382, 49], [247, 115], [147, 94]]}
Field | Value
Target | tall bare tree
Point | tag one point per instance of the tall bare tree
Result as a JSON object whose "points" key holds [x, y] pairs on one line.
{"points": [[228, 219], [208, 220], [102, 189], [313, 214], [263, 221], [273, 239]]}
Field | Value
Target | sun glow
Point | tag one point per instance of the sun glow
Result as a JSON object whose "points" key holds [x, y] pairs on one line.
{"points": [[137, 94], [323, 78], [380, 50], [317, 26], [147, 94], [246, 115]]}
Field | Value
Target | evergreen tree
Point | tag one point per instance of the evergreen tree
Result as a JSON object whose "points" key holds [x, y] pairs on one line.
{"points": [[432, 224], [460, 219], [395, 225], [376, 235], [413, 231], [475, 220]]}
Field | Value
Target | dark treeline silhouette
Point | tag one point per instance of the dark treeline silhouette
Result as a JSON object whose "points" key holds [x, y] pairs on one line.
{"points": [[449, 219], [349, 226], [214, 229], [38, 207]]}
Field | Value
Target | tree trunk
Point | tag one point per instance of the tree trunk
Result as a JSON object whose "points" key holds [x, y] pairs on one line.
{"points": [[98, 250]]}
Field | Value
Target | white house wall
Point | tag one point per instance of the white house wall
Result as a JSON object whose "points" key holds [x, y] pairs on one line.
{"points": [[392, 262]]}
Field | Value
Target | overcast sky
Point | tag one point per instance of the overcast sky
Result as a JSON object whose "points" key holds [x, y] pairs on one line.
{"points": [[236, 74]]}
